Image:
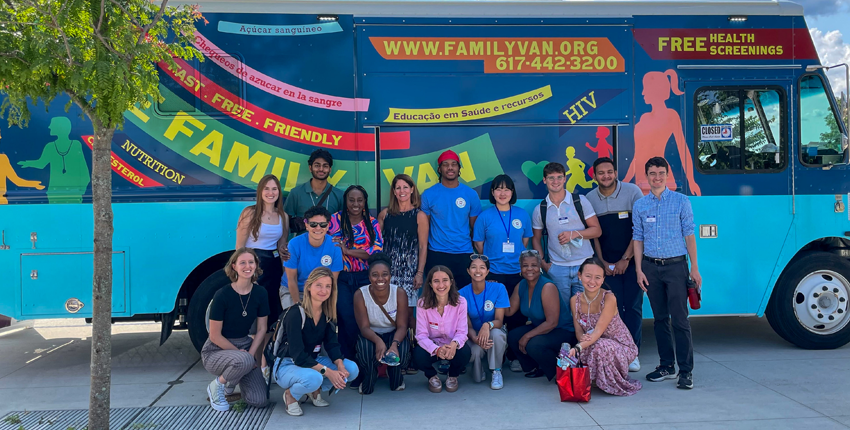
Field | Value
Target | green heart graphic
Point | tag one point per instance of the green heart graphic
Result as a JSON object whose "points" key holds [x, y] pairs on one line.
{"points": [[534, 171]]}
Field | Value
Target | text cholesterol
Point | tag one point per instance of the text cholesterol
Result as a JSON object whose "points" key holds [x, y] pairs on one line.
{"points": [[719, 44]]}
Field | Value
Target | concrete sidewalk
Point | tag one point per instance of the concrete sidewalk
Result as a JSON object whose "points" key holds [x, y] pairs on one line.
{"points": [[745, 377]]}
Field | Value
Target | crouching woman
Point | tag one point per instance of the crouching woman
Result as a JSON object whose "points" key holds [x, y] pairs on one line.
{"points": [[229, 352], [300, 370]]}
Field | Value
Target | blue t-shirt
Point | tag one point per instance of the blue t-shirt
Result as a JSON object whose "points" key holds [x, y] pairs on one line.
{"points": [[450, 210], [482, 307], [305, 257], [492, 227]]}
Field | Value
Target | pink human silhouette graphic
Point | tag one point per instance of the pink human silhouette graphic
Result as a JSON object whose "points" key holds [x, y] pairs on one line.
{"points": [[603, 148], [653, 130]]}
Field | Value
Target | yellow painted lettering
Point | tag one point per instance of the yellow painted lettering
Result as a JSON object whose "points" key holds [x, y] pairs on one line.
{"points": [[177, 125], [204, 147], [240, 153]]}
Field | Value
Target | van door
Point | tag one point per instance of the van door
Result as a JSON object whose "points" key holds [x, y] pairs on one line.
{"points": [[741, 153]]}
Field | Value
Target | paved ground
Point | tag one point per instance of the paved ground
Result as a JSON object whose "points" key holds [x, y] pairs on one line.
{"points": [[746, 377]]}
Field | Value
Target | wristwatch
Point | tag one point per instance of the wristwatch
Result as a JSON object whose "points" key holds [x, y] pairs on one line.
{"points": [[491, 324], [323, 370]]}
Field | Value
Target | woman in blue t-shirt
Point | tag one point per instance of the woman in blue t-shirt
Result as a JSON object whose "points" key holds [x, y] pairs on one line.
{"points": [[537, 344], [486, 303], [502, 232]]}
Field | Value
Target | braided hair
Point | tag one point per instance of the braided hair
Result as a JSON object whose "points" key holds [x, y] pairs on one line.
{"points": [[347, 230]]}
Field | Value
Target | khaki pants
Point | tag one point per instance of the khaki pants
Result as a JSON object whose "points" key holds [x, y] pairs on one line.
{"points": [[286, 297], [495, 355]]}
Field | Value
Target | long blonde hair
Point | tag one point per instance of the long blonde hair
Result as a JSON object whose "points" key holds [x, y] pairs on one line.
{"points": [[329, 305]]}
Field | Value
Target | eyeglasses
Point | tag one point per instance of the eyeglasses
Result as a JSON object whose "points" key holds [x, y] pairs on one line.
{"points": [[527, 252], [314, 224], [481, 257]]}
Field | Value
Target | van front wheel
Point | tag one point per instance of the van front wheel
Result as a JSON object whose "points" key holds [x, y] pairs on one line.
{"points": [[810, 303], [197, 315]]}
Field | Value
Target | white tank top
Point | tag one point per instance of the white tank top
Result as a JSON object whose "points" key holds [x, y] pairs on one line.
{"points": [[377, 320], [267, 237]]}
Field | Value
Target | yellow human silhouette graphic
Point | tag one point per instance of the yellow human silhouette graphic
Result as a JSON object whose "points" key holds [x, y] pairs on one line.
{"points": [[575, 172], [8, 172]]}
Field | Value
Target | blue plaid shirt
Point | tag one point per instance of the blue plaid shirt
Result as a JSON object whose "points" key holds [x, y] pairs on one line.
{"points": [[662, 224]]}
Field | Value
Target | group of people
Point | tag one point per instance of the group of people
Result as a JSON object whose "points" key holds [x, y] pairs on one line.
{"points": [[434, 282]]}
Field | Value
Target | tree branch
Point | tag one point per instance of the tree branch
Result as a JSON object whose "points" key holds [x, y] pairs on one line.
{"points": [[126, 12], [15, 55], [82, 103], [156, 19]]}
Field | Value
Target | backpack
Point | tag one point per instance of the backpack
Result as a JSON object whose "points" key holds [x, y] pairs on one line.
{"points": [[278, 345], [545, 239]]}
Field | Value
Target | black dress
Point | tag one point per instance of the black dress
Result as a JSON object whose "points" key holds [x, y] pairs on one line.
{"points": [[401, 244]]}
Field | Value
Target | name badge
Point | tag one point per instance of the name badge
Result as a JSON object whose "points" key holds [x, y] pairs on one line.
{"points": [[507, 247], [563, 220], [317, 348], [623, 215], [392, 313], [276, 254], [650, 218], [434, 326]]}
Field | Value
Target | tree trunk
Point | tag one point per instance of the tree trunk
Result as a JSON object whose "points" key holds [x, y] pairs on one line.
{"points": [[101, 345]]}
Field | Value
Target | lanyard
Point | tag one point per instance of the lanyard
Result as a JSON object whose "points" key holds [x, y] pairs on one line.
{"points": [[507, 225], [480, 310]]}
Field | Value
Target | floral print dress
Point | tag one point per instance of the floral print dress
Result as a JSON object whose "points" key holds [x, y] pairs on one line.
{"points": [[608, 359]]}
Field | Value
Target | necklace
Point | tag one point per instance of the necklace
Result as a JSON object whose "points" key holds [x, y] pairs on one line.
{"points": [[590, 301], [245, 305]]}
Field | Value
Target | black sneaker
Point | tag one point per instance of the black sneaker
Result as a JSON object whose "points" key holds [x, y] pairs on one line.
{"points": [[686, 381], [661, 373]]}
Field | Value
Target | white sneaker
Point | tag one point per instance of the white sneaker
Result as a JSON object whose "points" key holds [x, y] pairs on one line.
{"points": [[515, 366], [230, 390], [218, 401], [400, 387], [267, 372], [496, 383], [634, 366]]}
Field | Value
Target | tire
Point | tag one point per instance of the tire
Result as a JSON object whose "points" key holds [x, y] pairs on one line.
{"points": [[197, 315], [809, 305]]}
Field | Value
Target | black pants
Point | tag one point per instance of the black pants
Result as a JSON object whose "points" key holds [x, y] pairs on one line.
{"points": [[668, 296], [424, 361], [518, 319], [272, 269], [629, 300], [542, 349], [368, 363], [347, 329], [457, 263]]}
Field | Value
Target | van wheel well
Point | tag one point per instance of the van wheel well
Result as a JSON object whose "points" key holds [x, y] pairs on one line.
{"points": [[198, 274], [835, 245]]}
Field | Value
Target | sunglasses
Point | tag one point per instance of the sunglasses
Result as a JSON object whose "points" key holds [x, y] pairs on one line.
{"points": [[314, 224], [528, 252], [481, 257]]}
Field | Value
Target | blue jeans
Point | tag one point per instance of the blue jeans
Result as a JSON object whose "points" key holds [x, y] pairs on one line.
{"points": [[304, 380], [567, 281]]}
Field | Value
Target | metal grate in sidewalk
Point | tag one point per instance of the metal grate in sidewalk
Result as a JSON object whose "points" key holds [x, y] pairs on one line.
{"points": [[155, 418], [67, 419]]}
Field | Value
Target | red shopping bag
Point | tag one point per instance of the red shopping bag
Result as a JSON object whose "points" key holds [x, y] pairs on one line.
{"points": [[573, 383]]}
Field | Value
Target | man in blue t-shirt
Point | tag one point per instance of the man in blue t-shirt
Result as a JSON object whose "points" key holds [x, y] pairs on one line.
{"points": [[451, 208], [308, 252]]}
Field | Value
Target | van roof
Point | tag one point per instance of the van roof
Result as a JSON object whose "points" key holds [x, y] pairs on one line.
{"points": [[503, 8]]}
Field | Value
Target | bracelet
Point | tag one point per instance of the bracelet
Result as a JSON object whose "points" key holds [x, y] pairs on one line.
{"points": [[395, 341], [577, 347]]}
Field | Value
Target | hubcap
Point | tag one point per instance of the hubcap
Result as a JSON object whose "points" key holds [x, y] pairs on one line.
{"points": [[821, 302]]}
